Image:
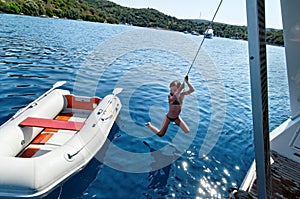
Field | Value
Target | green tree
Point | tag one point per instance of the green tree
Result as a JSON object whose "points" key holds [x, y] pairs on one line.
{"points": [[13, 8]]}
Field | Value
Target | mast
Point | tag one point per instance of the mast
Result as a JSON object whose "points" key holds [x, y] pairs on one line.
{"points": [[291, 30], [259, 93]]}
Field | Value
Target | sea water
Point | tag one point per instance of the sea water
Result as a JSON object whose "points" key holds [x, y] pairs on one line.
{"points": [[95, 58]]}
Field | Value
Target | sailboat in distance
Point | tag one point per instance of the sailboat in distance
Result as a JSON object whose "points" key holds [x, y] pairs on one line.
{"points": [[209, 33]]}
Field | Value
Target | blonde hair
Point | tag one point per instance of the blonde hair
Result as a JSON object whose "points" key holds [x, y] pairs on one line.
{"points": [[175, 83]]}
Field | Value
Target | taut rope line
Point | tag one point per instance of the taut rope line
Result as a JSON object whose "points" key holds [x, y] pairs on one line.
{"points": [[209, 25]]}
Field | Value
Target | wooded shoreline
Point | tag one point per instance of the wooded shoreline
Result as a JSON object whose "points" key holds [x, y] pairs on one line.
{"points": [[104, 11]]}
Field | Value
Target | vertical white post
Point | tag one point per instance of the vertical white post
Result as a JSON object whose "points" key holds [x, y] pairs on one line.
{"points": [[259, 94], [291, 24]]}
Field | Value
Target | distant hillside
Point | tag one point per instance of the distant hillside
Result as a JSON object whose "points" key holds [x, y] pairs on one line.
{"points": [[108, 12]]}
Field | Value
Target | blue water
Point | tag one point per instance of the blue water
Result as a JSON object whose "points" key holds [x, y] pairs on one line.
{"points": [[95, 58]]}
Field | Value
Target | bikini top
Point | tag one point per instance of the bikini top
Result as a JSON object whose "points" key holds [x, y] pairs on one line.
{"points": [[175, 102]]}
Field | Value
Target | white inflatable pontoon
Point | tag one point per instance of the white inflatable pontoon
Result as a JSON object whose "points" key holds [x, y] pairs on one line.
{"points": [[51, 139]]}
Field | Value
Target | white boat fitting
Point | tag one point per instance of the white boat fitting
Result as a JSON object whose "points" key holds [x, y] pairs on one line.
{"points": [[51, 139]]}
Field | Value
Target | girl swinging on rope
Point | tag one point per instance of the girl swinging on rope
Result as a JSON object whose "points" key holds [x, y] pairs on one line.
{"points": [[175, 100]]}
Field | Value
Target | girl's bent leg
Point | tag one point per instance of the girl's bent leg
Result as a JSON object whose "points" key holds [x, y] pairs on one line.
{"points": [[163, 129], [182, 125], [153, 128]]}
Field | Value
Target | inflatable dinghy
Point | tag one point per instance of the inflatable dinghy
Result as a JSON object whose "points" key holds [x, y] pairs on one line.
{"points": [[51, 139]]}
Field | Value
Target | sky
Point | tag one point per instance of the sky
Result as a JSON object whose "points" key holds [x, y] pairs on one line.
{"points": [[231, 11]]}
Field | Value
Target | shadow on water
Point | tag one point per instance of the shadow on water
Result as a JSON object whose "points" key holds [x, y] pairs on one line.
{"points": [[158, 179]]}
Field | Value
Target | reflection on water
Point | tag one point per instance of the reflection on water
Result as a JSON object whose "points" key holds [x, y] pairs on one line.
{"points": [[94, 58]]}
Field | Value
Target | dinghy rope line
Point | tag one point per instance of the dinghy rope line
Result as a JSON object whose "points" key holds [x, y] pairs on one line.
{"points": [[209, 25]]}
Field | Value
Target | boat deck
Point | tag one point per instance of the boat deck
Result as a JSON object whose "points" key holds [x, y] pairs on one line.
{"points": [[285, 178]]}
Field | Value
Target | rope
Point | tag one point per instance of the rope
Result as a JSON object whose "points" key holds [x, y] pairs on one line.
{"points": [[60, 191], [209, 25]]}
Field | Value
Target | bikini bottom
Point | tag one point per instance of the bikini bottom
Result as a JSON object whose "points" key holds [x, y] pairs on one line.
{"points": [[172, 119]]}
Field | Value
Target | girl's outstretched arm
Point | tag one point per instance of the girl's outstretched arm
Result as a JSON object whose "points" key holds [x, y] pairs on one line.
{"points": [[191, 87]]}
